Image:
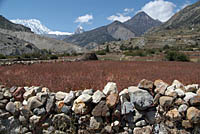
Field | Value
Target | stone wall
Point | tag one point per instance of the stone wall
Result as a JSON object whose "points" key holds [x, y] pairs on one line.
{"points": [[149, 108]]}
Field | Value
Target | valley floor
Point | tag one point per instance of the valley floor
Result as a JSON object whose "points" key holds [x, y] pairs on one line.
{"points": [[95, 74]]}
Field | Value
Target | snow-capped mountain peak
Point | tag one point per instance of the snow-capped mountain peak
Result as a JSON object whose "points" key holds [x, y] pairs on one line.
{"points": [[79, 30], [37, 27]]}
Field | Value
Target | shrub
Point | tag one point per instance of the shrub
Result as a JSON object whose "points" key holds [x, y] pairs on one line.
{"points": [[107, 49], [136, 53], [2, 56], [53, 57], [176, 56], [101, 52]]}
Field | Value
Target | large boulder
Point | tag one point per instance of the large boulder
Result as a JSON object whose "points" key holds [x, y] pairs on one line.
{"points": [[142, 99], [88, 56]]}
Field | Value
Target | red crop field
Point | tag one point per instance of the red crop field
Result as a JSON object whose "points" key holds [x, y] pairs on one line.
{"points": [[65, 76]]}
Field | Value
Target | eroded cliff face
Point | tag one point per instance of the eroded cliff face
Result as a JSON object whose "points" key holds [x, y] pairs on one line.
{"points": [[151, 107]]}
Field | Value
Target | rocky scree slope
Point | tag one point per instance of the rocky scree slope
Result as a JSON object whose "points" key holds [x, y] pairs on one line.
{"points": [[10, 45], [6, 24], [41, 42], [150, 107]]}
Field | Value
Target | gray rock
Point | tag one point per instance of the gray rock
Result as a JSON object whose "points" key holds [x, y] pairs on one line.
{"points": [[1, 95], [150, 116], [97, 96], [110, 88], [69, 98], [10, 107], [141, 99], [127, 107], [50, 103], [42, 97], [13, 89], [33, 102], [88, 91], [39, 111], [66, 109], [96, 123]]}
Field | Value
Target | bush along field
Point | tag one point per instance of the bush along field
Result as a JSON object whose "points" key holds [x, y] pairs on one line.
{"points": [[147, 108]]}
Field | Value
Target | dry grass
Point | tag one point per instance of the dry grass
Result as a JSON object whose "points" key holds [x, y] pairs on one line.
{"points": [[80, 75]]}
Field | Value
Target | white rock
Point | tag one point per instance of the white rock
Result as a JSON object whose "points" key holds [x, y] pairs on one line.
{"points": [[69, 97], [188, 96], [178, 84], [110, 88], [180, 92], [170, 91], [61, 95], [98, 95], [192, 88], [182, 108], [84, 98]]}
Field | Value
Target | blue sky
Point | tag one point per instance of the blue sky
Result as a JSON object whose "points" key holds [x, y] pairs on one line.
{"points": [[66, 15]]}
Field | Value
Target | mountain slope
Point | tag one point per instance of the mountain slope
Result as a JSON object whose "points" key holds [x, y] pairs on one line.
{"points": [[41, 42], [187, 18], [6, 24], [111, 32], [141, 23], [10, 45]]}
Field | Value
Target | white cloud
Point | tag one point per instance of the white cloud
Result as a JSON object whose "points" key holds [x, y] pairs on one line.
{"points": [[84, 19], [160, 9], [128, 10], [122, 17], [119, 17]]}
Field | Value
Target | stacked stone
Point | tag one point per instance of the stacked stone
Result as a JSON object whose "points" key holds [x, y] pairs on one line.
{"points": [[178, 108], [150, 107]]}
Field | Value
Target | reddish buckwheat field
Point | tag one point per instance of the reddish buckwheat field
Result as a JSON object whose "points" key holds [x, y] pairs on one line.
{"points": [[95, 74]]}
